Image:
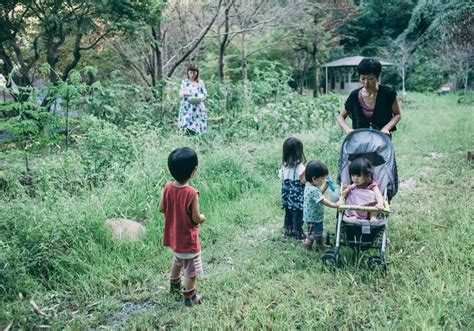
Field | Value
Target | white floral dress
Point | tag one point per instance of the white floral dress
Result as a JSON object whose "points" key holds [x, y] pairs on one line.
{"points": [[192, 117]]}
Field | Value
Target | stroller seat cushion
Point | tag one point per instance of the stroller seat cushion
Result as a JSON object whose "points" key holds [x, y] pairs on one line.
{"points": [[374, 221]]}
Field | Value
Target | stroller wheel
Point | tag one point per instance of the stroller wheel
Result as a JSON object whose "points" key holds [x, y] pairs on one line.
{"points": [[377, 262], [330, 259]]}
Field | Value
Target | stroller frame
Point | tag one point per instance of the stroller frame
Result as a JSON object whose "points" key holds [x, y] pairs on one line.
{"points": [[362, 235]]}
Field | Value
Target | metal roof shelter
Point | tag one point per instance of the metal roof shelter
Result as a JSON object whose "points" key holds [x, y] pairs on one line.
{"points": [[347, 65]]}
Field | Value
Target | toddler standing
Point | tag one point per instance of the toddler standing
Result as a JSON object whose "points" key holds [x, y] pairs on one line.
{"points": [[180, 204], [292, 186], [314, 199]]}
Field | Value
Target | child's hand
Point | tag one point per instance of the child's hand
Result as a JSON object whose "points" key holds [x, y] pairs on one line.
{"points": [[202, 217], [379, 206], [345, 190]]}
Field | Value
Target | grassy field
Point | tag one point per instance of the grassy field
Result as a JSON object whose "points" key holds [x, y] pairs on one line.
{"points": [[58, 252]]}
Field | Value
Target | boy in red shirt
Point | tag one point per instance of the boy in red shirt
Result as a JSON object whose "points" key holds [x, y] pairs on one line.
{"points": [[180, 204]]}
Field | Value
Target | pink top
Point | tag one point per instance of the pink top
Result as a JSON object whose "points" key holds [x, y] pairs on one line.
{"points": [[361, 197], [368, 112]]}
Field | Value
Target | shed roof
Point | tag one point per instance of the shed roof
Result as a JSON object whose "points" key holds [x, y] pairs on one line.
{"points": [[351, 61]]}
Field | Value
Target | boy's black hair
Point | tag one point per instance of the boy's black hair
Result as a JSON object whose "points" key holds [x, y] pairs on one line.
{"points": [[292, 152], [369, 66], [315, 169], [361, 167], [181, 163]]}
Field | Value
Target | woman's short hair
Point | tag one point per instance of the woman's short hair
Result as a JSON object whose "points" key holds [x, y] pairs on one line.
{"points": [[315, 169], [193, 67], [369, 66], [181, 163]]}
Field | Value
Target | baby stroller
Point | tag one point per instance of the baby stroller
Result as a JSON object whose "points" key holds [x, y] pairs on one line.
{"points": [[362, 235]]}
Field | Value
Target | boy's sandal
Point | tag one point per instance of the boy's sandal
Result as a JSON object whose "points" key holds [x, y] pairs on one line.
{"points": [[191, 298], [189, 302]]}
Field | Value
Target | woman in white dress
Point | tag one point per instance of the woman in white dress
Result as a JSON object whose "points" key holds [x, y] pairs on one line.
{"points": [[192, 114]]}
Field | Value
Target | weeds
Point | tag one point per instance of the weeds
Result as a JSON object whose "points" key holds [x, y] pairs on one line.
{"points": [[56, 250]]}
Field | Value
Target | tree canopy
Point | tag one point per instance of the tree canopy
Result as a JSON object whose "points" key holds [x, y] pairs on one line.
{"points": [[150, 40]]}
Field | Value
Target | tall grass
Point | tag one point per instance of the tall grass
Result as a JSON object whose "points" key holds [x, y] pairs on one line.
{"points": [[56, 250]]}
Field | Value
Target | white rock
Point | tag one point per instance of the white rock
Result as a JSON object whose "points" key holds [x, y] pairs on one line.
{"points": [[125, 229]]}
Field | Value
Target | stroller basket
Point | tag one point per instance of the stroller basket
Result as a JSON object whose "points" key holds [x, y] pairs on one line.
{"points": [[361, 236]]}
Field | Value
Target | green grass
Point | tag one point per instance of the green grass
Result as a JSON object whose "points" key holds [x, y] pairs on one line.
{"points": [[56, 250]]}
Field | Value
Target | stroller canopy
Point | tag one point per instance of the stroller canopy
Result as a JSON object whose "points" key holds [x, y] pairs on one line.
{"points": [[378, 149]]}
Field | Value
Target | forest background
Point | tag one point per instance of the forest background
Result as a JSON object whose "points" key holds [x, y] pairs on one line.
{"points": [[89, 109], [122, 61]]}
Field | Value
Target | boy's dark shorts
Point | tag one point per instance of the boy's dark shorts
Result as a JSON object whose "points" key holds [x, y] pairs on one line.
{"points": [[314, 229]]}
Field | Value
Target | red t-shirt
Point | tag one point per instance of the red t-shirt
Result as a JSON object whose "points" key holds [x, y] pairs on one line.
{"points": [[180, 233]]}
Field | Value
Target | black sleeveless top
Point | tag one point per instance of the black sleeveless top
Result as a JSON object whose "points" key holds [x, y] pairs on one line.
{"points": [[382, 112]]}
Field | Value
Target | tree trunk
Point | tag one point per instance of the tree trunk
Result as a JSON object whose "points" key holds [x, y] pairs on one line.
{"points": [[223, 44], [51, 59], [466, 77], [318, 79], [157, 70], [301, 82], [314, 60], [403, 82], [244, 65], [76, 53]]}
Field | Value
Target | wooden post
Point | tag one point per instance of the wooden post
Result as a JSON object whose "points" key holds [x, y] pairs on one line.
{"points": [[326, 80]]}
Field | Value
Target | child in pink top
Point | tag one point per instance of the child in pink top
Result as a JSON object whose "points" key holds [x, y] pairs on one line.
{"points": [[180, 204], [364, 191]]}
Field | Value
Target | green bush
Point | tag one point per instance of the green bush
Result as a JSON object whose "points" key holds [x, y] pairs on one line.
{"points": [[466, 99], [424, 76], [103, 148]]}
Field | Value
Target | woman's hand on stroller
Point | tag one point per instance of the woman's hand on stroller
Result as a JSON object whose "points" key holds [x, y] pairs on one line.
{"points": [[385, 130], [348, 130]]}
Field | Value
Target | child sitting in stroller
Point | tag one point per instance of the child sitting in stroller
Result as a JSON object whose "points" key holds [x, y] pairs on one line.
{"points": [[364, 190]]}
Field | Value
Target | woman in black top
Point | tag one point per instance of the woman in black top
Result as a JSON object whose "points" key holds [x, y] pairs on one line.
{"points": [[372, 105]]}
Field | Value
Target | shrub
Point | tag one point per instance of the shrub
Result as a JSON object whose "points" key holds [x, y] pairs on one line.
{"points": [[103, 147]]}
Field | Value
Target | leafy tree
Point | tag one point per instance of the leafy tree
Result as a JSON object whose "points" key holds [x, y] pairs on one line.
{"points": [[456, 51], [28, 125], [425, 75], [66, 91], [161, 39], [315, 34], [56, 31], [448, 26], [376, 22]]}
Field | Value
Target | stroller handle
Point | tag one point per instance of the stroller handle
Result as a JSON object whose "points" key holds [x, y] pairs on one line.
{"points": [[386, 209]]}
